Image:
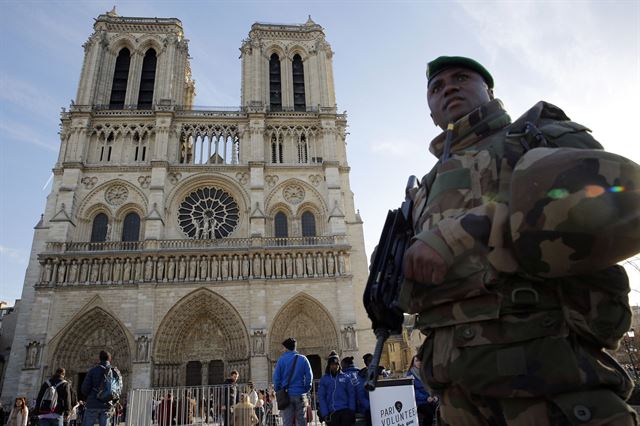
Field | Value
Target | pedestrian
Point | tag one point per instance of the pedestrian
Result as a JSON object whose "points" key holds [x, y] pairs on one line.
{"points": [[293, 375], [244, 412], [231, 396], [54, 400], [337, 395], [19, 415], [273, 414], [259, 406], [510, 340], [100, 406], [425, 403], [166, 411]]}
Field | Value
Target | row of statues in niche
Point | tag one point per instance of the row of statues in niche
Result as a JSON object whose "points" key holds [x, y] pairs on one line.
{"points": [[194, 268]]}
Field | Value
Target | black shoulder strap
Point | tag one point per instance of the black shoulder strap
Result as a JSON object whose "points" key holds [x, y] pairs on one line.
{"points": [[295, 360]]}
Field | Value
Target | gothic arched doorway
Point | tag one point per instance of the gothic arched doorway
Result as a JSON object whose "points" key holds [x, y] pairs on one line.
{"points": [[79, 345], [312, 326], [201, 332]]}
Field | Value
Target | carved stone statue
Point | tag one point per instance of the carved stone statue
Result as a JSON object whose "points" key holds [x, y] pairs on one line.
{"points": [[46, 277], [204, 268], [148, 269], [267, 266], [95, 271], [139, 267], [309, 264], [142, 348], [235, 267], [278, 265], [182, 269], [330, 264], [245, 266], [257, 266], [171, 269], [73, 272], [84, 271], [62, 270], [32, 355], [106, 270], [193, 268], [299, 266], [215, 268], [160, 270], [319, 264], [288, 263], [342, 267], [126, 275], [117, 270]]}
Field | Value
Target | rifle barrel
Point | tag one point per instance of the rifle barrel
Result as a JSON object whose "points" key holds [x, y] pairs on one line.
{"points": [[382, 334]]}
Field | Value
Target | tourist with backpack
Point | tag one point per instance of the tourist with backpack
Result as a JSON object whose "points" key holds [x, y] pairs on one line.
{"points": [[54, 400], [101, 389]]}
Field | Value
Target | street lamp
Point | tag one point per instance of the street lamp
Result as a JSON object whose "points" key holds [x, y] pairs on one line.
{"points": [[627, 341]]}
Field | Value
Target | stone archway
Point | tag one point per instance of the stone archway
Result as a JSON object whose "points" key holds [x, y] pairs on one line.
{"points": [[201, 331], [310, 323], [79, 346]]}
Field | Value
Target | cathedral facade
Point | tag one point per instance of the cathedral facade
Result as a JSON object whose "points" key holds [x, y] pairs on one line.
{"points": [[190, 242]]}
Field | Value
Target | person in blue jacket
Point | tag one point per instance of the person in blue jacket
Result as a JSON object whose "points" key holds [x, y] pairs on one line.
{"points": [[425, 403], [350, 369], [337, 395], [299, 386]]}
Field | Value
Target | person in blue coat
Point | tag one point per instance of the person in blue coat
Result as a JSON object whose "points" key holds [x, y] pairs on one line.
{"points": [[425, 403], [299, 386], [349, 368], [337, 395]]}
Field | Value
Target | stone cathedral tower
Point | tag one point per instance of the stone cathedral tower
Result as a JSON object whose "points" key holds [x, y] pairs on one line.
{"points": [[190, 242]]}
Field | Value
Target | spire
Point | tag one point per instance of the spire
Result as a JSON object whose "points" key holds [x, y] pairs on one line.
{"points": [[113, 12], [310, 21]]}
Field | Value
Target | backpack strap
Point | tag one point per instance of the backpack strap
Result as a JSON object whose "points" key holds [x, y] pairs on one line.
{"points": [[295, 360]]}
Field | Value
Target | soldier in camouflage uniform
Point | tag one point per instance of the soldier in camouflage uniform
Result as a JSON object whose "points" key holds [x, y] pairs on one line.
{"points": [[506, 345]]}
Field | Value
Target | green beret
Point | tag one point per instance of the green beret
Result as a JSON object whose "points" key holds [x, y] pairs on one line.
{"points": [[441, 63]]}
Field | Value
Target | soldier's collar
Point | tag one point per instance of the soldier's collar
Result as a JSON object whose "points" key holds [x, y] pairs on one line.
{"points": [[473, 127]]}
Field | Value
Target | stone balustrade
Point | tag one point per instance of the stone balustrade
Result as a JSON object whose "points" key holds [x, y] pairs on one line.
{"points": [[164, 266]]}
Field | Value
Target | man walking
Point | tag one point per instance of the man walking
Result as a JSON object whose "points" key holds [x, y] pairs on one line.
{"points": [[98, 405], [231, 396], [293, 374], [54, 400]]}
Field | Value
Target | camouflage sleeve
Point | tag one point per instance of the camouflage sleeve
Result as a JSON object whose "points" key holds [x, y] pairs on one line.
{"points": [[483, 229]]}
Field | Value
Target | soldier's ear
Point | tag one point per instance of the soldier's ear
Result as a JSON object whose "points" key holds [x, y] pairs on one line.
{"points": [[433, 119], [490, 93]]}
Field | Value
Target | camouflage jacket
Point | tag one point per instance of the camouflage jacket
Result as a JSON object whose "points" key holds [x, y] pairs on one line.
{"points": [[461, 211]]}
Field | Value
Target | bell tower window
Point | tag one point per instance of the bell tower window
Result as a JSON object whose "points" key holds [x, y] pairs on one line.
{"points": [[275, 85], [147, 80], [280, 225], [131, 227], [99, 228], [120, 77], [298, 84], [308, 224]]}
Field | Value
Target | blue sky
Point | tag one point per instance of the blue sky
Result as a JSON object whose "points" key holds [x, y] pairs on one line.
{"points": [[581, 56]]}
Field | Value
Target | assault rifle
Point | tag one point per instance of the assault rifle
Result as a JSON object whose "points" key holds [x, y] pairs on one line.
{"points": [[385, 279]]}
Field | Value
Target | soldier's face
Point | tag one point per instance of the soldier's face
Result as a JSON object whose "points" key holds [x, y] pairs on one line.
{"points": [[454, 93]]}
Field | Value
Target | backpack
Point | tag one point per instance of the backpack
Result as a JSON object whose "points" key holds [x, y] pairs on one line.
{"points": [[111, 386], [49, 400]]}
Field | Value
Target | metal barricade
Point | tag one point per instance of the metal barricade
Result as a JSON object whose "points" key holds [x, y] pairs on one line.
{"points": [[203, 405]]}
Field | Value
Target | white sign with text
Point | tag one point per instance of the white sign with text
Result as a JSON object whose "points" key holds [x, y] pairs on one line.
{"points": [[393, 403]]}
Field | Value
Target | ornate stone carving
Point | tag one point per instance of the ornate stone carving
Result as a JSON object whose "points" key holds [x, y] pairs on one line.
{"points": [[315, 179], [349, 338], [242, 177], [258, 340], [142, 349], [116, 194], [144, 181], [293, 193], [174, 177], [271, 180], [89, 182], [32, 357]]}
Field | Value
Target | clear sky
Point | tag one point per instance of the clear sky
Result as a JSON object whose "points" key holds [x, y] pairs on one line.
{"points": [[581, 56]]}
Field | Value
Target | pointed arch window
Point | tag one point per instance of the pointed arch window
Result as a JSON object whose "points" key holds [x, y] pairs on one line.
{"points": [[277, 149], [275, 85], [303, 149], [299, 103], [280, 225], [308, 224], [120, 77], [131, 227], [147, 80], [99, 228]]}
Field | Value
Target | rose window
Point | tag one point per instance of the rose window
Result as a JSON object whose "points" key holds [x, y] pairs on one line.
{"points": [[208, 213]]}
